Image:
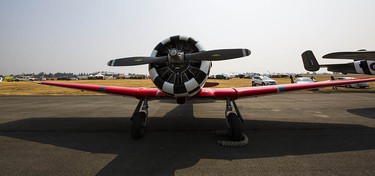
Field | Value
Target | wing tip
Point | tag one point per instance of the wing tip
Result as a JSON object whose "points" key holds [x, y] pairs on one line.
{"points": [[246, 52], [111, 62]]}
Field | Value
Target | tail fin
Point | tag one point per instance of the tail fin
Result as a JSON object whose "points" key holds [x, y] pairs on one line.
{"points": [[309, 61]]}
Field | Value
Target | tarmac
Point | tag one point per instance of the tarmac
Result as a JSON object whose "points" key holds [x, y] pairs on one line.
{"points": [[289, 134]]}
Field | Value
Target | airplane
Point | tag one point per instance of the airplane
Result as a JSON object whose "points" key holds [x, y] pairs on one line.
{"points": [[179, 67], [364, 62]]}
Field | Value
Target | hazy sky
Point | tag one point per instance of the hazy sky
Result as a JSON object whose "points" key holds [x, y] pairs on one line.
{"points": [[82, 35]]}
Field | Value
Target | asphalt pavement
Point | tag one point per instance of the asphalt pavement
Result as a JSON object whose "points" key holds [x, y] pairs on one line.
{"points": [[290, 134]]}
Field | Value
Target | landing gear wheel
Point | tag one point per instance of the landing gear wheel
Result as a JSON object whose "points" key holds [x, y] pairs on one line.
{"points": [[235, 131], [138, 125]]}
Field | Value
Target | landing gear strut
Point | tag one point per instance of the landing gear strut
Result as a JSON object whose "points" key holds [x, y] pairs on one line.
{"points": [[139, 119], [234, 121]]}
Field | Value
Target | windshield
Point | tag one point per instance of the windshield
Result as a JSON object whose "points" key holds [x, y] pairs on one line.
{"points": [[266, 78], [305, 80]]}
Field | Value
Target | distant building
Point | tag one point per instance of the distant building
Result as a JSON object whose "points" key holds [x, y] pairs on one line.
{"points": [[97, 76]]}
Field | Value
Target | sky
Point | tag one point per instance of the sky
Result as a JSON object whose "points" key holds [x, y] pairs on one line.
{"points": [[81, 36]]}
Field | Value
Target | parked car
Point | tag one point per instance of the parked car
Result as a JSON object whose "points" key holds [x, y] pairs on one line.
{"points": [[300, 80], [357, 85], [240, 76], [262, 80], [66, 78], [223, 76], [24, 78], [303, 80]]}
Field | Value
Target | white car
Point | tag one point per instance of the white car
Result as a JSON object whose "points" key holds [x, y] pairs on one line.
{"points": [[262, 80], [303, 80], [24, 78], [357, 85]]}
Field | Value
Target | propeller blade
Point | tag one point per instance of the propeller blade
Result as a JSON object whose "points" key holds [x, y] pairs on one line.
{"points": [[218, 55], [129, 61]]}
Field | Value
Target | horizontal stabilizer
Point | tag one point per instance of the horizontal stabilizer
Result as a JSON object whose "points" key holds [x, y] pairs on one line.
{"points": [[309, 61]]}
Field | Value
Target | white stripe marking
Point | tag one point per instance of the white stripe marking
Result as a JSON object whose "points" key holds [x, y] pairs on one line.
{"points": [[184, 38], [199, 46], [357, 67], [167, 40], [205, 66], [154, 53], [191, 85], [168, 87], [153, 74]]}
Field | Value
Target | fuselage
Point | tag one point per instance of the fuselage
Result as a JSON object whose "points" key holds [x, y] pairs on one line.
{"points": [[356, 67]]}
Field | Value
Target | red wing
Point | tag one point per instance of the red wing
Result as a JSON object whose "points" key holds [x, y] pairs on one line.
{"points": [[139, 93], [234, 93], [218, 93]]}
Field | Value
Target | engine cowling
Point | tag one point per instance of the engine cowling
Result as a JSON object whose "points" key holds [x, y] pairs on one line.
{"points": [[179, 77]]}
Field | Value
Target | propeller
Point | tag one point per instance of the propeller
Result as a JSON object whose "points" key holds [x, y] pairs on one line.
{"points": [[218, 55], [129, 61], [212, 55]]}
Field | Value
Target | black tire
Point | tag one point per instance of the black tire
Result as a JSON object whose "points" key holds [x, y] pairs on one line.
{"points": [[138, 125], [235, 131], [263, 84], [253, 84]]}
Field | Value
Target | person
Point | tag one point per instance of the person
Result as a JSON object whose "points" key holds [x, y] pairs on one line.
{"points": [[333, 87], [291, 79], [312, 78]]}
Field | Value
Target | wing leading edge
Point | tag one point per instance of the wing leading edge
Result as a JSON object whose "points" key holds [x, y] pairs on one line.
{"points": [[139, 93], [243, 92], [360, 55], [214, 93]]}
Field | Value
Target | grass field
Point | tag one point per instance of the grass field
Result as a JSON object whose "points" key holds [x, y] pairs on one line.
{"points": [[32, 88]]}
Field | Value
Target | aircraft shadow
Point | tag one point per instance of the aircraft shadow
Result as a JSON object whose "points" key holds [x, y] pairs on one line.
{"points": [[364, 112], [179, 141]]}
